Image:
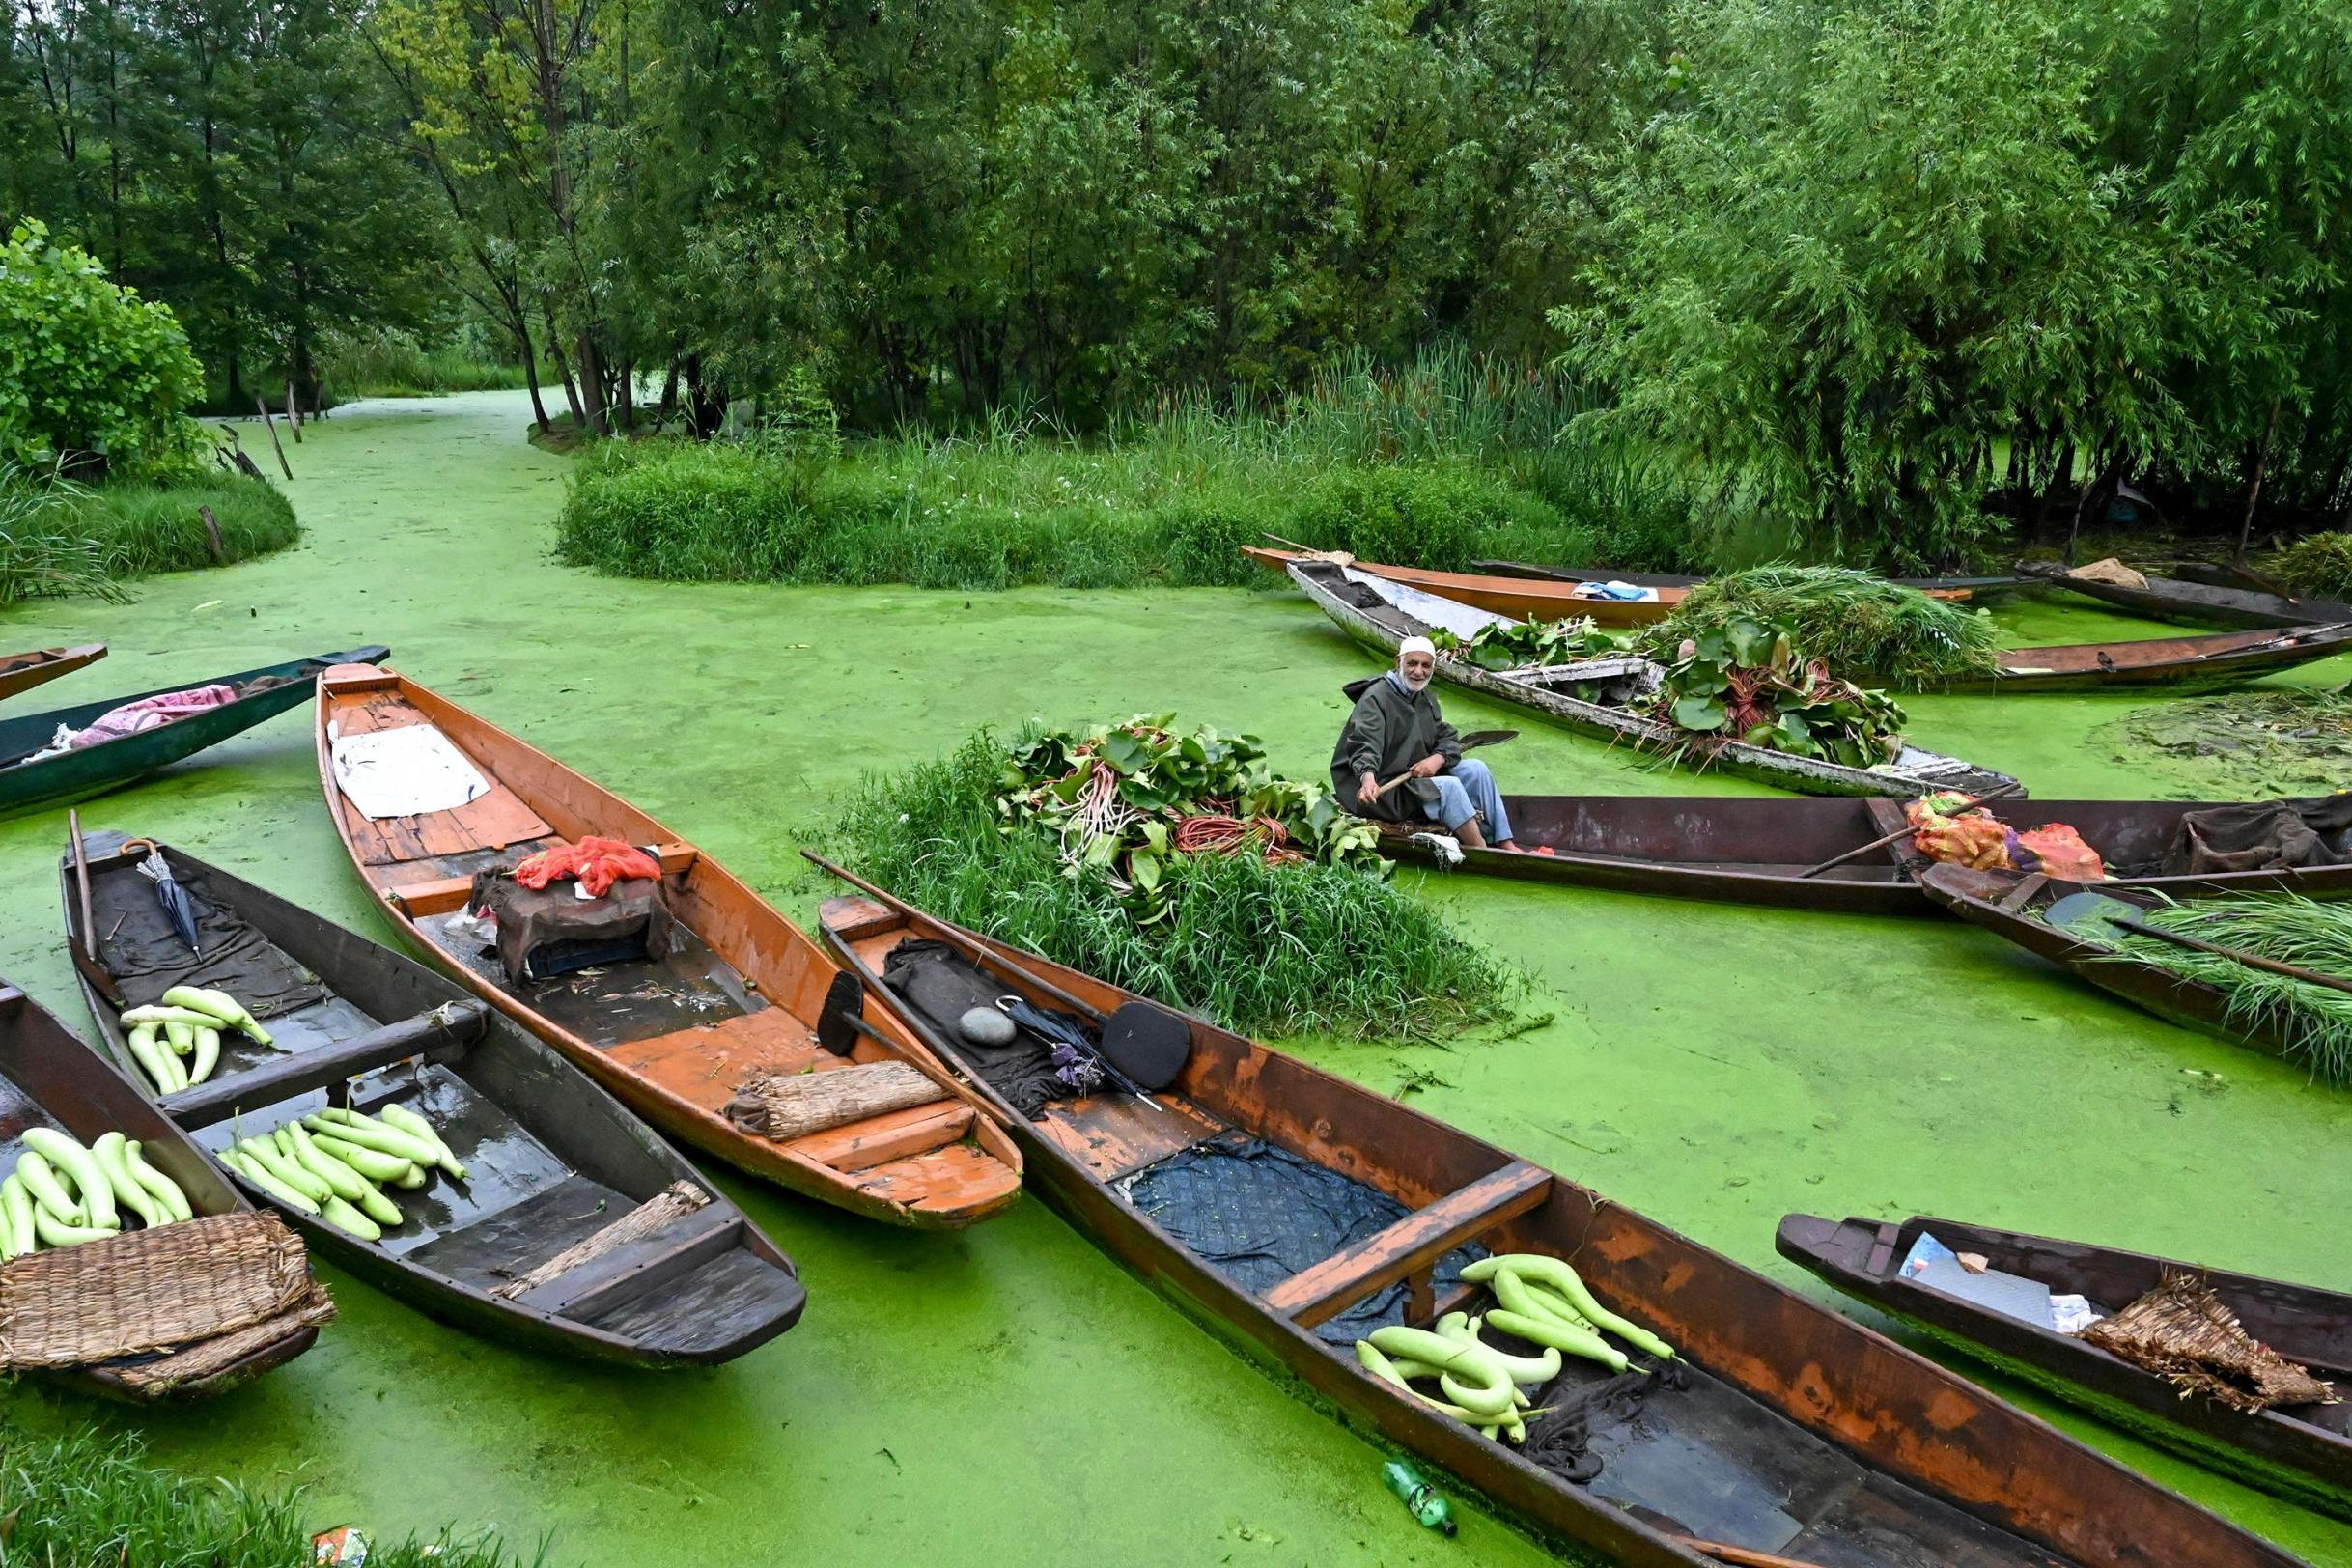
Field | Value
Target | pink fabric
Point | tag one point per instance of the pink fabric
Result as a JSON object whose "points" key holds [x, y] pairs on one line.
{"points": [[151, 712]]}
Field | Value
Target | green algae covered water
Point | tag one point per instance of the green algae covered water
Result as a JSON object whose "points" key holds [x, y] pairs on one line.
{"points": [[1007, 1394]]}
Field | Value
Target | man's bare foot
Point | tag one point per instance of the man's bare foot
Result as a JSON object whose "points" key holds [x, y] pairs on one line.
{"points": [[1470, 837]]}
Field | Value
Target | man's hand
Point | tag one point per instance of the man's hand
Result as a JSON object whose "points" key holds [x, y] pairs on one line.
{"points": [[1429, 767], [1367, 791]]}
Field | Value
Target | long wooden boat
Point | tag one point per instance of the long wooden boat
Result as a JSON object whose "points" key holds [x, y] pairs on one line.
{"points": [[1520, 599], [2010, 905], [2182, 664], [48, 1078], [1948, 588], [1788, 1430], [28, 779], [1751, 850], [2174, 598], [37, 666], [577, 1229], [2304, 1451], [675, 1037], [1382, 614]]}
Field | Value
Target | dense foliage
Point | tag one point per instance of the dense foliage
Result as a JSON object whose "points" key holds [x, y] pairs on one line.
{"points": [[1263, 949], [1861, 625], [84, 1498], [59, 537], [1829, 277], [92, 377], [1517, 645]]}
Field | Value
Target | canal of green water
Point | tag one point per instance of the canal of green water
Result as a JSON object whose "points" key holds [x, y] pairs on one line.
{"points": [[1007, 1394]]}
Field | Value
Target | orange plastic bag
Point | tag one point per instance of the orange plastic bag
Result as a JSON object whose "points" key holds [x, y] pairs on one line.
{"points": [[597, 863], [1974, 838], [2056, 849]]}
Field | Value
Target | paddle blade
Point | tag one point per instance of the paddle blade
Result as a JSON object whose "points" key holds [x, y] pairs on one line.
{"points": [[1487, 737], [844, 999], [1148, 1043], [2091, 916]]}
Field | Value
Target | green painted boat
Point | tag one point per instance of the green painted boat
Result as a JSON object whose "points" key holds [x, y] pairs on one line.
{"points": [[28, 779]]}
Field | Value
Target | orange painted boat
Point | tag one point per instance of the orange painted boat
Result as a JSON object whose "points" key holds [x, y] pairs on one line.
{"points": [[1522, 599], [22, 672], [739, 997]]}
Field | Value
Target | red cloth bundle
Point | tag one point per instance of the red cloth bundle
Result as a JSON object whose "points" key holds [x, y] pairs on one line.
{"points": [[596, 863]]}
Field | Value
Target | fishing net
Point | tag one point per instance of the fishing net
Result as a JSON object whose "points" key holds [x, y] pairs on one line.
{"points": [[2181, 1332], [150, 1290], [1560, 1440]]}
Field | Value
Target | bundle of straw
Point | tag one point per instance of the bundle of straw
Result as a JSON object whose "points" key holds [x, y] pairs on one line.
{"points": [[2313, 1022], [1866, 628]]}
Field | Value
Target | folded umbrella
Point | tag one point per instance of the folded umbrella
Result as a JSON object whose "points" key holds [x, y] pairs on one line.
{"points": [[178, 906]]}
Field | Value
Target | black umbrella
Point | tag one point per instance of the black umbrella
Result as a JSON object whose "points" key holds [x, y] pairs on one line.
{"points": [[174, 898]]}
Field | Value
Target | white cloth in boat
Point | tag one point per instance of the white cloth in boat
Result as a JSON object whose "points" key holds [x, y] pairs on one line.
{"points": [[403, 773]]}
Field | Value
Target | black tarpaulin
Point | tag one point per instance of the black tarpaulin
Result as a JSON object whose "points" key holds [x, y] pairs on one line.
{"points": [[1261, 1214], [139, 947], [2262, 835]]}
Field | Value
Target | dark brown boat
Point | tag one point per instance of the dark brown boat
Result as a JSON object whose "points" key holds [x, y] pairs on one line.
{"points": [[2302, 1451], [1751, 850], [577, 1230], [2198, 604], [1787, 1431], [737, 997], [2010, 906], [1953, 588], [50, 1079], [22, 672]]}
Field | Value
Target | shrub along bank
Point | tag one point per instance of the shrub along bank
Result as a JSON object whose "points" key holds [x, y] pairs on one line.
{"points": [[58, 539]]}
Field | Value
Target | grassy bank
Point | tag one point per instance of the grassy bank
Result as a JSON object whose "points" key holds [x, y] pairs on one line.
{"points": [[88, 1499], [60, 539], [1447, 461]]}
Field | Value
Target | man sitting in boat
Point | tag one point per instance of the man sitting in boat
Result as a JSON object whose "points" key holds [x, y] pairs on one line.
{"points": [[1397, 729]]}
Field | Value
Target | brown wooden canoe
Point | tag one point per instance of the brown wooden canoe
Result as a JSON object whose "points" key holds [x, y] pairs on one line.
{"points": [[50, 1079], [1522, 599], [2177, 664], [1750, 849], [1790, 1430], [675, 1037], [530, 1247], [2008, 904], [2304, 1451], [1956, 589], [22, 672], [2200, 604]]}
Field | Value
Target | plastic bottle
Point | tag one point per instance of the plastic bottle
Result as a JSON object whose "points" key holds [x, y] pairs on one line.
{"points": [[1419, 1496]]}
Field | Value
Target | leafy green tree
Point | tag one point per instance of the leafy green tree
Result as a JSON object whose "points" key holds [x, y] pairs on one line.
{"points": [[92, 377]]}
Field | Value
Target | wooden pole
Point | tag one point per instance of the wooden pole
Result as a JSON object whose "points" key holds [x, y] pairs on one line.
{"points": [[294, 415], [1861, 850], [211, 533], [272, 427]]}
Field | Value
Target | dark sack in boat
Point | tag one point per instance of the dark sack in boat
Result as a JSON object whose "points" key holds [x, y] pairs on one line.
{"points": [[2262, 835], [554, 931], [941, 984]]}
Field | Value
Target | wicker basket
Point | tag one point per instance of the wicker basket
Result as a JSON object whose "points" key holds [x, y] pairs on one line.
{"points": [[150, 1290]]}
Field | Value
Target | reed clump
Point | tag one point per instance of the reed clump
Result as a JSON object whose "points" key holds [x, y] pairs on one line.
{"points": [[1260, 948], [2320, 567]]}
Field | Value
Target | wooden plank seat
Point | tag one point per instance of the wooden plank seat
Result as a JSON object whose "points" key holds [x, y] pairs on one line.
{"points": [[444, 895], [635, 1266], [443, 1032], [1329, 1288]]}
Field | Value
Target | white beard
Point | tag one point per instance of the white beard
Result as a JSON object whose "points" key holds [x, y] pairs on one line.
{"points": [[1412, 684]]}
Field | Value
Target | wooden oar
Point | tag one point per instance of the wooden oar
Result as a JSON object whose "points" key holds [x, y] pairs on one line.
{"points": [[1880, 843], [2238, 955], [84, 953], [1739, 1556], [1468, 742]]}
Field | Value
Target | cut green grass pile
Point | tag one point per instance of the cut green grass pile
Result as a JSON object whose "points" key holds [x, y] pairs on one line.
{"points": [[2320, 567], [1436, 466], [1266, 950], [87, 1500], [1866, 628], [2315, 1022]]}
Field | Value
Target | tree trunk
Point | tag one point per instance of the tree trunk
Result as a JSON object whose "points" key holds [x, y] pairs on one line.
{"points": [[563, 368], [2254, 491], [592, 383]]}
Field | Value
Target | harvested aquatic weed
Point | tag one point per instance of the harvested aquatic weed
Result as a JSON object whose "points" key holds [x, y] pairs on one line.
{"points": [[2320, 567], [2314, 1022], [2248, 745], [1259, 947], [1865, 628]]}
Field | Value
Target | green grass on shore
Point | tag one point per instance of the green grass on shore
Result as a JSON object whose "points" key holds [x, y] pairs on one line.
{"points": [[58, 539], [83, 1499], [1451, 459]]}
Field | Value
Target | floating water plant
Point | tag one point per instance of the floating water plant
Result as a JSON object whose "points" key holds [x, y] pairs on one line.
{"points": [[1863, 626]]}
